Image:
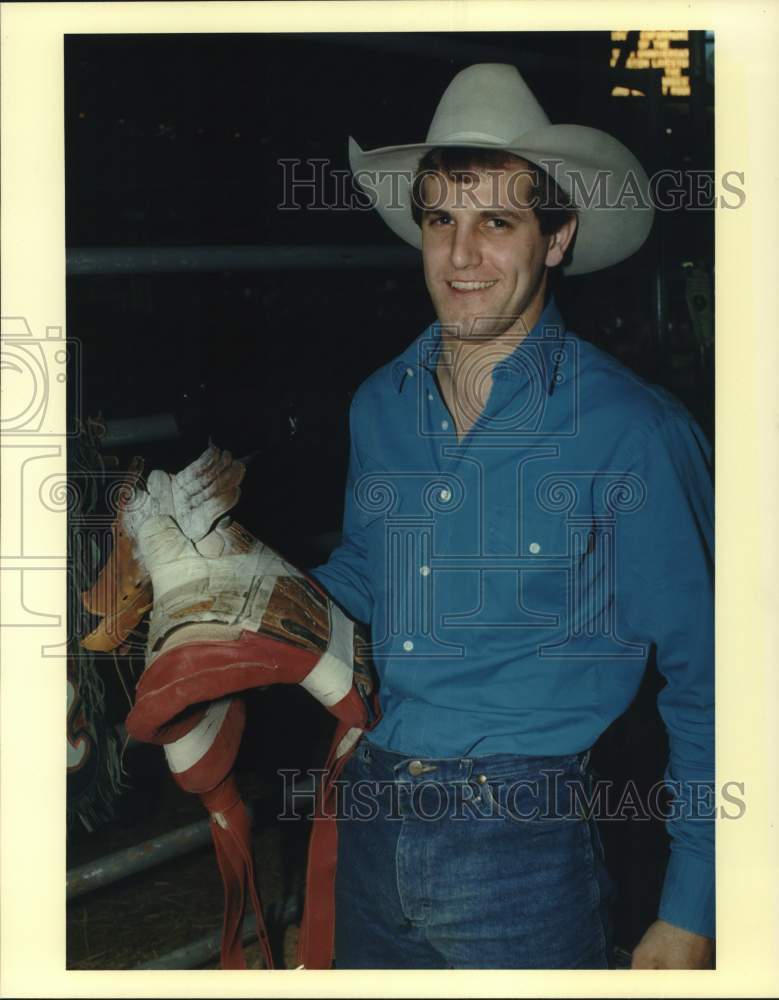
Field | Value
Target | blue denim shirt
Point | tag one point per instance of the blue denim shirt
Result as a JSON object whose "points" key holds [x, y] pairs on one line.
{"points": [[515, 581]]}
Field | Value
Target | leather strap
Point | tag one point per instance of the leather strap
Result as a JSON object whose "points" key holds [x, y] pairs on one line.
{"points": [[231, 833], [316, 942]]}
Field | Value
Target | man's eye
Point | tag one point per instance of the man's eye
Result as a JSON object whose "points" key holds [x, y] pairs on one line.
{"points": [[440, 220], [499, 223]]}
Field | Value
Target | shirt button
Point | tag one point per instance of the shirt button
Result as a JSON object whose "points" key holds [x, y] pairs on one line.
{"points": [[444, 425], [410, 371], [482, 779], [445, 495], [430, 396], [424, 570], [535, 548], [408, 645]]}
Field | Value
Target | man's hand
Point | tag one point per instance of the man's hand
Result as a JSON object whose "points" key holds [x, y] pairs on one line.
{"points": [[665, 946]]}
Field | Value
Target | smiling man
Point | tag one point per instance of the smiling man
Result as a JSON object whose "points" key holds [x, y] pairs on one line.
{"points": [[486, 258], [525, 519]]}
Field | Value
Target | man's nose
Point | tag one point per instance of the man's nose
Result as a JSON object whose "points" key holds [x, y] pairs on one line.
{"points": [[465, 248]]}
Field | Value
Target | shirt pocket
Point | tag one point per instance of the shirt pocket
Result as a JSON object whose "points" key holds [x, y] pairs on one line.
{"points": [[537, 549]]}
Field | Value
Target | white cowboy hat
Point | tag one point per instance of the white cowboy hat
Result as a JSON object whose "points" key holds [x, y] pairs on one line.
{"points": [[490, 106]]}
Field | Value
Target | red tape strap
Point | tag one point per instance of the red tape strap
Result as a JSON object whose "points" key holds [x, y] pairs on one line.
{"points": [[233, 846]]}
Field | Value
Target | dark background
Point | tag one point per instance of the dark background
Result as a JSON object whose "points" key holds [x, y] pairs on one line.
{"points": [[174, 141]]}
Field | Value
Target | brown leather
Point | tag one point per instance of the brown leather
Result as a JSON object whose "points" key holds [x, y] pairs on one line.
{"points": [[122, 593]]}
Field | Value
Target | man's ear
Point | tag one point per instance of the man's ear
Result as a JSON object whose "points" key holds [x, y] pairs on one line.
{"points": [[559, 242]]}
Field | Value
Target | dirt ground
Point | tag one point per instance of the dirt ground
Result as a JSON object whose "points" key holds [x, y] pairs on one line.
{"points": [[144, 917]]}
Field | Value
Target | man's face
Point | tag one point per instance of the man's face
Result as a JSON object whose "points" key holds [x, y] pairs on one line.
{"points": [[484, 256]]}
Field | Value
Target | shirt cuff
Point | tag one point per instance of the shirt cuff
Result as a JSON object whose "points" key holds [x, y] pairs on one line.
{"points": [[688, 899]]}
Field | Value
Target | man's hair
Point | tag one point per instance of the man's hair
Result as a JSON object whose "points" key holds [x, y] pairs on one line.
{"points": [[550, 203]]}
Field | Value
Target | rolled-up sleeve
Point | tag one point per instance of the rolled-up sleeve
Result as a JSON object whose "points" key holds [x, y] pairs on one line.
{"points": [[665, 594], [346, 575]]}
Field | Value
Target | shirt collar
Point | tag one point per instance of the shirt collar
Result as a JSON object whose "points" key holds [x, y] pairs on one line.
{"points": [[423, 353]]}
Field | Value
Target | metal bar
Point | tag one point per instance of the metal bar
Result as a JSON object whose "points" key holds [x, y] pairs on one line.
{"points": [[82, 261], [106, 870], [125, 431], [197, 953]]}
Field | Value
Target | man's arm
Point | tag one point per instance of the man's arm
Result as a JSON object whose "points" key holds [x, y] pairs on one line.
{"points": [[665, 566]]}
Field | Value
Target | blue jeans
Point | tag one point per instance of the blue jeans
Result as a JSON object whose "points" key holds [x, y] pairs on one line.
{"points": [[476, 863]]}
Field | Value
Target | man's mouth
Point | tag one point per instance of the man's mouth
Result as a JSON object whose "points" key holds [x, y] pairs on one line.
{"points": [[470, 286]]}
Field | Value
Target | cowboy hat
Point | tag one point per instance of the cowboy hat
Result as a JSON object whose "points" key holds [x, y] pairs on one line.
{"points": [[489, 106]]}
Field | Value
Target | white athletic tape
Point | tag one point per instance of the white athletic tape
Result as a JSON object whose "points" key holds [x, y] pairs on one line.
{"points": [[348, 741], [188, 750], [331, 678]]}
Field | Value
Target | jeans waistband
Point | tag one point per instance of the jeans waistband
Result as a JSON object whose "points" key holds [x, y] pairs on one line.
{"points": [[392, 765]]}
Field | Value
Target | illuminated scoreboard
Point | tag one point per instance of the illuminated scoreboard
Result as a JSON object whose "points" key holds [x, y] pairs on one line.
{"points": [[665, 50]]}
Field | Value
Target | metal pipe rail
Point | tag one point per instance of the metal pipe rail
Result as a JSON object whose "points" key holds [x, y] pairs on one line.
{"points": [[138, 858], [196, 953], [89, 261], [278, 916]]}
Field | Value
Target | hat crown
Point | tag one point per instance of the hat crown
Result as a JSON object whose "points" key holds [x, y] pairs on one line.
{"points": [[488, 102], [489, 106]]}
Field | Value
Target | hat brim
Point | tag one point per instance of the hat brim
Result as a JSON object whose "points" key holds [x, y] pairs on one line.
{"points": [[606, 183]]}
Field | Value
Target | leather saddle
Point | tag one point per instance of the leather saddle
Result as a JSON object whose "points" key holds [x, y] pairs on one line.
{"points": [[228, 614]]}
